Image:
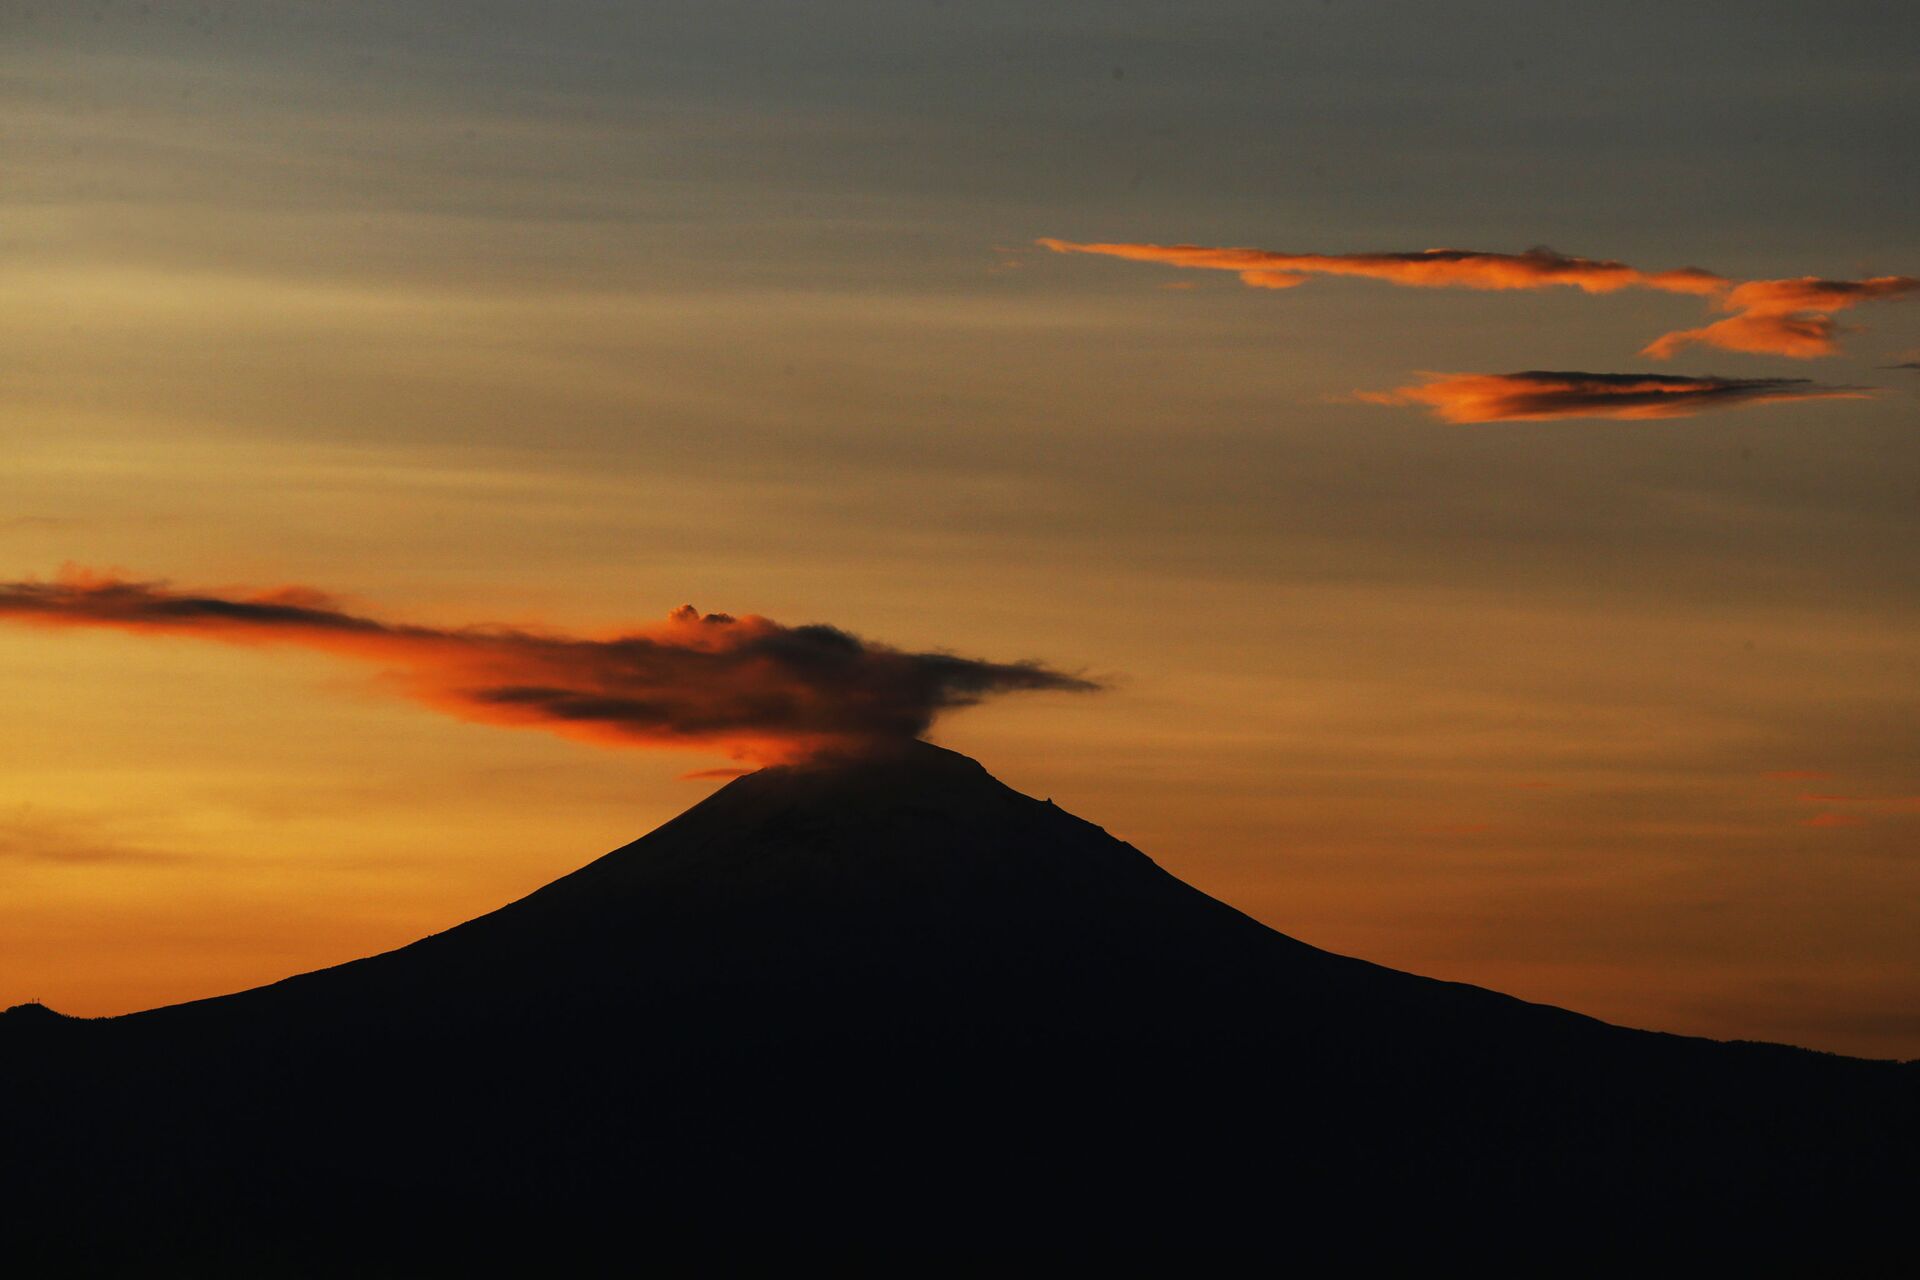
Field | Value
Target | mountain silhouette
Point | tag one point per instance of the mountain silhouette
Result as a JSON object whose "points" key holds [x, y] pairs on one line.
{"points": [[889, 1006]]}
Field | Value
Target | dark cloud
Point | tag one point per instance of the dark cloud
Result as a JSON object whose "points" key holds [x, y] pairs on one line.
{"points": [[748, 686], [1540, 395]]}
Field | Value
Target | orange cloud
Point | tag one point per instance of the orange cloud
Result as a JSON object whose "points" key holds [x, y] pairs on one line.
{"points": [[1784, 317], [1538, 395], [1538, 268], [747, 686], [1791, 317], [1834, 820], [1846, 809]]}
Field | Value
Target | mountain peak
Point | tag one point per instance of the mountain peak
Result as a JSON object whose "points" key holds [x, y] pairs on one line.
{"points": [[897, 768], [32, 1012], [889, 774], [918, 818]]}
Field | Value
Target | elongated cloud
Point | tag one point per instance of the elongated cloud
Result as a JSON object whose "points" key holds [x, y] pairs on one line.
{"points": [[747, 686], [70, 840], [1872, 803], [1784, 317], [1427, 268], [1538, 395], [1770, 317]]}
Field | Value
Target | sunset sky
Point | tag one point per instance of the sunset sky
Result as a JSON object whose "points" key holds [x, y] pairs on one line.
{"points": [[1543, 618]]}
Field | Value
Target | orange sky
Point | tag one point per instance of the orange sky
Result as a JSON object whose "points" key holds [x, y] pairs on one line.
{"points": [[551, 326]]}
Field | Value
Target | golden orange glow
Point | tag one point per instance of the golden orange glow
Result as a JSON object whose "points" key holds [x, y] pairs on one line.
{"points": [[747, 686], [324, 301], [1540, 395]]}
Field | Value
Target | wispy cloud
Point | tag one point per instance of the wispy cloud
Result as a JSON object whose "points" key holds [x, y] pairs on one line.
{"points": [[29, 835], [1538, 268], [1833, 820], [1889, 804], [1789, 317], [748, 686], [1784, 317], [1539, 395]]}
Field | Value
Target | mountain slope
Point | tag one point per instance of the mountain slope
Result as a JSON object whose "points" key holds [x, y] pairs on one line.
{"points": [[916, 868], [894, 1004]]}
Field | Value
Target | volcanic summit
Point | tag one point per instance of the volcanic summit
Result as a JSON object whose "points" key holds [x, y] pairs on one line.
{"points": [[889, 1003]]}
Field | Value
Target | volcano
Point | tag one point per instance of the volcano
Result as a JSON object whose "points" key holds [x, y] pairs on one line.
{"points": [[890, 1006]]}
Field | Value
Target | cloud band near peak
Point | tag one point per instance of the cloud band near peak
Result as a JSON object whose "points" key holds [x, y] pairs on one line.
{"points": [[748, 686]]}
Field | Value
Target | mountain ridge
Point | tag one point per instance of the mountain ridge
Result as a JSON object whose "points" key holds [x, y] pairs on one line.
{"points": [[775, 808], [867, 1004]]}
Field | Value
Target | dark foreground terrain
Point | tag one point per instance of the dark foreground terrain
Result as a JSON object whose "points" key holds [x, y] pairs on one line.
{"points": [[893, 1007]]}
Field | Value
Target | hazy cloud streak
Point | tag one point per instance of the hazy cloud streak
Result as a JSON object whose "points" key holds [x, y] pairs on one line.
{"points": [[1537, 268], [1893, 804], [748, 686], [1791, 317], [29, 836], [1539, 395]]}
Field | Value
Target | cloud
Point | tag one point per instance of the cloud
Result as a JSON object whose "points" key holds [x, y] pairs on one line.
{"points": [[1538, 395], [1847, 809], [1904, 364], [1877, 804], [1784, 317], [1833, 820], [1792, 317], [68, 840], [1538, 268], [748, 686]]}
